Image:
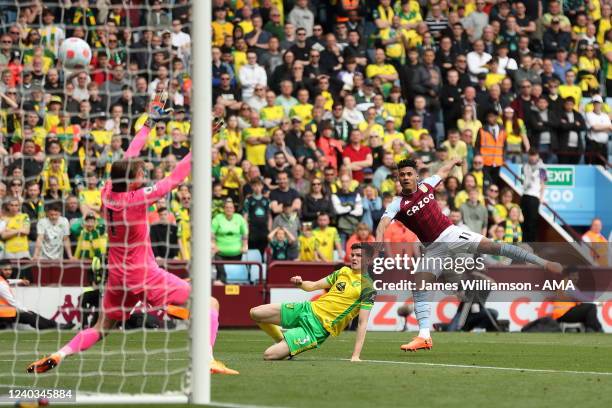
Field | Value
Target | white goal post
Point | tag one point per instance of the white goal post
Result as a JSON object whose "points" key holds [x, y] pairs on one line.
{"points": [[191, 361]]}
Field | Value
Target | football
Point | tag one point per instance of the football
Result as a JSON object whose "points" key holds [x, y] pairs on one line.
{"points": [[75, 53]]}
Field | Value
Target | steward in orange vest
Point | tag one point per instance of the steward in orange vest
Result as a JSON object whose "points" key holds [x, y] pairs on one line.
{"points": [[598, 243]]}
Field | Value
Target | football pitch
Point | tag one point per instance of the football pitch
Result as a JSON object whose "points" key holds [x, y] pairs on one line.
{"points": [[463, 370]]}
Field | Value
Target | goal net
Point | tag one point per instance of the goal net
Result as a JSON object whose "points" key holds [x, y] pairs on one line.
{"points": [[61, 130]]}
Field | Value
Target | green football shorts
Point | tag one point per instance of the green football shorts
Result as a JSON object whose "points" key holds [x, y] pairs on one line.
{"points": [[305, 331]]}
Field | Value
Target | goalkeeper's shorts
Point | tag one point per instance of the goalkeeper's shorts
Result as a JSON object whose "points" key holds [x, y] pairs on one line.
{"points": [[161, 288], [305, 331]]}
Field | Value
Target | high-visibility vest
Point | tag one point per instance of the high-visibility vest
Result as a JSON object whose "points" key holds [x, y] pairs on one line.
{"points": [[600, 247], [6, 310], [492, 149], [561, 308]]}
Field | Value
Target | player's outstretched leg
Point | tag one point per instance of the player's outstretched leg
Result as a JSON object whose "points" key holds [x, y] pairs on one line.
{"points": [[516, 253], [216, 366], [422, 312], [268, 318], [84, 340]]}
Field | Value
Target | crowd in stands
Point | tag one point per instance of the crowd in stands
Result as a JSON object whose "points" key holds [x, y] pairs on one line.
{"points": [[322, 98], [60, 129]]}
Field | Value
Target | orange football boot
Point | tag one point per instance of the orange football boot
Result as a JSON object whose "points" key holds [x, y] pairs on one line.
{"points": [[44, 364], [217, 367], [418, 343], [177, 312]]}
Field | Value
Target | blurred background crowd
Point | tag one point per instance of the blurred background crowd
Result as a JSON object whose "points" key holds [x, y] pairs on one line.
{"points": [[320, 100]]}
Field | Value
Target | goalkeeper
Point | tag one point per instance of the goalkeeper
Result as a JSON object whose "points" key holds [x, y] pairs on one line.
{"points": [[309, 324], [133, 274]]}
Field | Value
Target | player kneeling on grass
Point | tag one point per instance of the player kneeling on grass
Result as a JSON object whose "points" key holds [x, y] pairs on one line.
{"points": [[309, 323]]}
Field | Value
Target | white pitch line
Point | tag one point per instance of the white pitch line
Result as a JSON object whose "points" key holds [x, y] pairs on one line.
{"points": [[232, 405], [479, 367]]}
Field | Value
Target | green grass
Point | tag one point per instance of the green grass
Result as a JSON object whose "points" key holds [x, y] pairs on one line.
{"points": [[322, 378]]}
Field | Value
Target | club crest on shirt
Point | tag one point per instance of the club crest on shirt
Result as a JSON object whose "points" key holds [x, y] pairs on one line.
{"points": [[423, 188], [341, 286]]}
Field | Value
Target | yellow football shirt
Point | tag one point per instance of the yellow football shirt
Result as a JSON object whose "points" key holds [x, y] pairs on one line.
{"points": [[350, 292], [386, 69], [571, 90], [17, 243], [303, 111], [308, 247], [326, 239], [256, 154]]}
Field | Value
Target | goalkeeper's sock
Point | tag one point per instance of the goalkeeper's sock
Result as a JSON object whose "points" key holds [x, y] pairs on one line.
{"points": [[272, 330], [519, 254], [214, 326], [81, 342], [422, 311]]}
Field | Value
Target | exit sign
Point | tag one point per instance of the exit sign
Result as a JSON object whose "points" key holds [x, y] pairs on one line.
{"points": [[560, 176]]}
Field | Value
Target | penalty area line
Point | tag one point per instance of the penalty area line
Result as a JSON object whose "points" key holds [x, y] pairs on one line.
{"points": [[232, 405], [479, 367]]}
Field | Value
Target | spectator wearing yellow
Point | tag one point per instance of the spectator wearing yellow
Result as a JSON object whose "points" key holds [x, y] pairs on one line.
{"points": [[516, 136], [391, 133], [380, 69], [400, 150], [232, 177], [391, 38], [220, 26], [555, 11], [395, 106], [468, 121], [231, 139], [32, 120], [52, 119], [589, 68], [159, 138], [179, 121], [183, 221], [469, 184], [570, 88], [90, 198], [14, 230], [91, 237], [37, 58], [271, 114], [69, 135], [409, 13], [307, 244], [513, 233], [256, 139], [415, 131], [502, 209], [327, 238], [579, 28], [383, 14], [303, 109], [605, 25], [370, 125], [493, 76], [457, 149]]}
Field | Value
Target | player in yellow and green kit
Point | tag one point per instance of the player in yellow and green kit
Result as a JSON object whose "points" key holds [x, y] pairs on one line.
{"points": [[309, 324]]}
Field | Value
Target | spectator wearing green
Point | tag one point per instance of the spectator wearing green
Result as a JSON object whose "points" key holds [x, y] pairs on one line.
{"points": [[230, 235]]}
